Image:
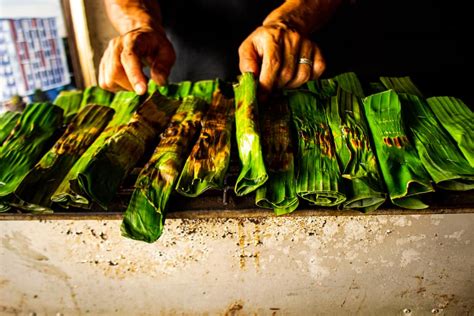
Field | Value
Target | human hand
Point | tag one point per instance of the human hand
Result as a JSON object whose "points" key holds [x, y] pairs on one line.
{"points": [[121, 64], [272, 52]]}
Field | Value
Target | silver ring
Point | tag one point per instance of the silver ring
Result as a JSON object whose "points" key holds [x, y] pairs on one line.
{"points": [[306, 61]]}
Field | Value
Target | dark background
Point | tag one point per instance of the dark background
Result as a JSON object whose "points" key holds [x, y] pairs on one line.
{"points": [[426, 39]]}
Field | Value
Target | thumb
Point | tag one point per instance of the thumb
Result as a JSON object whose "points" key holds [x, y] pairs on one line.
{"points": [[248, 58]]}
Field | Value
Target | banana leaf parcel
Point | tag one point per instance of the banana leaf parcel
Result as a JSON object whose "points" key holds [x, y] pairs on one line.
{"points": [[253, 173], [8, 121], [96, 95], [323, 88], [124, 104], [103, 175], [279, 192], [35, 132], [318, 177], [438, 152], [209, 160], [404, 175], [458, 120], [401, 85], [173, 90], [144, 217], [364, 183], [70, 102], [43, 180]]}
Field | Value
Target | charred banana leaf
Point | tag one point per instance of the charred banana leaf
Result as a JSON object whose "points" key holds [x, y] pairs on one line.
{"points": [[8, 121], [209, 160], [458, 120], [103, 175], [318, 176], [404, 175], [144, 217], [33, 135], [43, 180], [253, 173], [124, 104], [436, 149], [364, 183], [70, 102], [279, 192]]}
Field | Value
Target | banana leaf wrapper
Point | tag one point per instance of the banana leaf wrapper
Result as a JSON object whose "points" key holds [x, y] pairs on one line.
{"points": [[363, 181], [204, 89], [253, 173], [8, 121], [349, 82], [70, 102], [124, 104], [458, 120], [96, 95], [279, 192], [43, 180], [144, 217], [208, 162], [318, 177], [103, 175], [401, 85], [323, 88], [403, 173], [173, 90], [437, 151], [35, 132]]}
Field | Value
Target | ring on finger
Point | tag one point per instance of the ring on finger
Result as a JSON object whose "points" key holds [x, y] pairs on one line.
{"points": [[306, 61]]}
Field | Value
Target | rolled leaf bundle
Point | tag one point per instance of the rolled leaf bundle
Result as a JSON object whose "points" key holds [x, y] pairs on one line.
{"points": [[173, 90], [253, 173], [279, 192], [404, 175], [33, 135], [8, 121], [144, 217], [364, 183], [43, 180], [458, 120], [96, 95], [437, 151], [204, 89], [349, 82], [209, 160], [102, 176], [323, 88], [318, 176], [70, 102], [401, 85]]}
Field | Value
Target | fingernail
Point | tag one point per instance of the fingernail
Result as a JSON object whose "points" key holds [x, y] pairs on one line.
{"points": [[140, 88]]}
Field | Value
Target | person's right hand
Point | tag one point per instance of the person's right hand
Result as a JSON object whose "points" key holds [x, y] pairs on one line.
{"points": [[121, 65]]}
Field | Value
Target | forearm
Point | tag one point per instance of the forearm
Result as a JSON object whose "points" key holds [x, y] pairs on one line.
{"points": [[305, 16], [127, 15]]}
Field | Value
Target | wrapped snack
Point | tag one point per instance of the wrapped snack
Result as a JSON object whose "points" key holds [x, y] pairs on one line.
{"points": [[8, 121], [70, 102]]}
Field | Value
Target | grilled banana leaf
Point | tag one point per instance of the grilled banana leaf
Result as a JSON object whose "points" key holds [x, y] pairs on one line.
{"points": [[209, 160], [103, 175], [279, 192], [70, 102], [43, 180], [144, 217], [363, 181], [124, 104], [96, 95], [458, 120], [404, 175], [173, 90], [253, 173], [8, 121], [437, 151], [318, 175], [36, 130]]}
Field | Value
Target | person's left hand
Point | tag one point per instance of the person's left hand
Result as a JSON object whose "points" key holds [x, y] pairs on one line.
{"points": [[273, 52]]}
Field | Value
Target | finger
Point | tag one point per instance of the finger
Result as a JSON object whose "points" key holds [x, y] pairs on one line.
{"points": [[271, 61], [291, 52], [133, 67], [162, 63], [304, 71], [114, 76], [248, 58], [319, 64]]}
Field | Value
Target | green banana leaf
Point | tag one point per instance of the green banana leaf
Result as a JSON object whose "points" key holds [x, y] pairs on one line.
{"points": [[204, 89], [318, 176], [35, 133], [70, 102], [253, 173], [124, 104], [144, 217], [103, 175], [279, 192], [404, 175], [401, 85], [323, 88], [8, 121], [209, 160], [96, 95], [350, 83], [43, 180], [458, 120], [173, 90], [363, 181], [437, 151]]}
